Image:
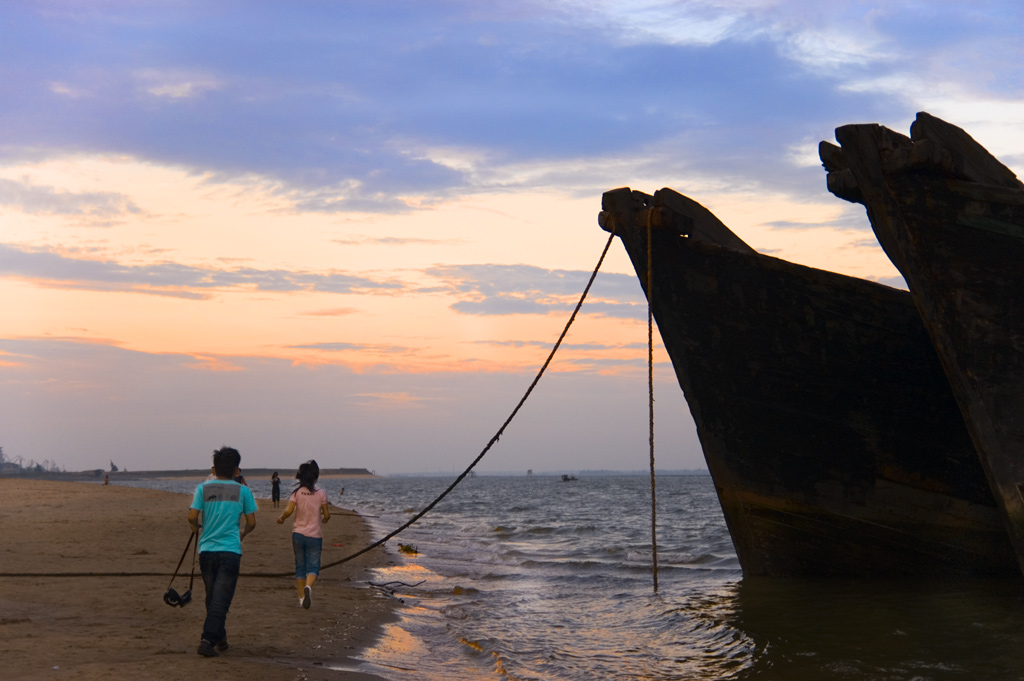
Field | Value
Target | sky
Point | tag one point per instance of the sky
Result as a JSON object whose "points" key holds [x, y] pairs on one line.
{"points": [[353, 231]]}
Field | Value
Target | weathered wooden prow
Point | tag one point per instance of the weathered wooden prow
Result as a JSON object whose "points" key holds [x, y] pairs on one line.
{"points": [[667, 210], [933, 146], [950, 216]]}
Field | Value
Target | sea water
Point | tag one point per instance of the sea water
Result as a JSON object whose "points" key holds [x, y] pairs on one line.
{"points": [[530, 577]]}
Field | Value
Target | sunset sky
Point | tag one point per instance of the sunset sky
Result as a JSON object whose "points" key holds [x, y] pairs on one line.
{"points": [[353, 230]]}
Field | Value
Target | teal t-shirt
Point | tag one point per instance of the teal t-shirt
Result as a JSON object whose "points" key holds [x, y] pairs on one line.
{"points": [[220, 504]]}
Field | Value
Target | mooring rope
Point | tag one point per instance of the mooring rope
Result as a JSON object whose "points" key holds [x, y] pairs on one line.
{"points": [[416, 517], [501, 430], [650, 399]]}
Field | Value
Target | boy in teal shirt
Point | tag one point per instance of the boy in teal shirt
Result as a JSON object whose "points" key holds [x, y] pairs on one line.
{"points": [[221, 502]]}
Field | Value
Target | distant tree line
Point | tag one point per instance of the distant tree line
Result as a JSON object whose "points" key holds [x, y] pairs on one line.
{"points": [[17, 464]]}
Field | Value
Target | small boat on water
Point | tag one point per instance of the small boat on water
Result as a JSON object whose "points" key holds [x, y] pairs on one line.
{"points": [[825, 418], [950, 216]]}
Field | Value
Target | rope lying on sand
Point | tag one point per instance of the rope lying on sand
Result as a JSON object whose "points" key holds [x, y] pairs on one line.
{"points": [[427, 509]]}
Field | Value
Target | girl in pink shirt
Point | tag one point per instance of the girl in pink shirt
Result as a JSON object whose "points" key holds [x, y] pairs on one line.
{"points": [[309, 503]]}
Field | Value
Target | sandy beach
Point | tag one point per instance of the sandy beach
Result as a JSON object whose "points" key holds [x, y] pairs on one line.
{"points": [[103, 627]]}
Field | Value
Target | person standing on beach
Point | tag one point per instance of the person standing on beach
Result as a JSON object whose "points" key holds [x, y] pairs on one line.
{"points": [[275, 489], [219, 503], [309, 503]]}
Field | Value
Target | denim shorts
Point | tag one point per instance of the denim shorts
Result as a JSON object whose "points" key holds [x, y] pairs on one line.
{"points": [[307, 554]]}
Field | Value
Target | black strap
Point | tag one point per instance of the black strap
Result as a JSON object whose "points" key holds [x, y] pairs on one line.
{"points": [[182, 560], [195, 548]]}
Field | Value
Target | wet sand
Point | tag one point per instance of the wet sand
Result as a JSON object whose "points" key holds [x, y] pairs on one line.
{"points": [[103, 627]]}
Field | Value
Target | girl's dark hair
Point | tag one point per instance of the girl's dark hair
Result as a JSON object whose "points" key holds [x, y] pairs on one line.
{"points": [[308, 474]]}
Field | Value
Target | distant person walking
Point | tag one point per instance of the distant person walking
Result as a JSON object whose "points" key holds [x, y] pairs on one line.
{"points": [[216, 508], [309, 503], [275, 489]]}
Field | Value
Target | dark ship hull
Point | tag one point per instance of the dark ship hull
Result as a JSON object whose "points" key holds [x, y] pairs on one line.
{"points": [[951, 218], [826, 421]]}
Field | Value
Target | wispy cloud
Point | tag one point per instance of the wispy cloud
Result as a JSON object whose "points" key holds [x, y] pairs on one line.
{"points": [[389, 400], [47, 268], [340, 346], [43, 200], [175, 84], [525, 289], [332, 312], [393, 241]]}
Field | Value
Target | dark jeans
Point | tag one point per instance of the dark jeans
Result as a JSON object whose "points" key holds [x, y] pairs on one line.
{"points": [[220, 575], [307, 555]]}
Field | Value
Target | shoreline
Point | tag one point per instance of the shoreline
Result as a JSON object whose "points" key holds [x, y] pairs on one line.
{"points": [[94, 627], [185, 474]]}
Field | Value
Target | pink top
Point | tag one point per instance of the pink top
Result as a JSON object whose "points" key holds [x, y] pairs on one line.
{"points": [[307, 511]]}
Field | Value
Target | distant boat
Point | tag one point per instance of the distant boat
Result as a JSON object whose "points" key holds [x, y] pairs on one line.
{"points": [[951, 218], [827, 424], [568, 478]]}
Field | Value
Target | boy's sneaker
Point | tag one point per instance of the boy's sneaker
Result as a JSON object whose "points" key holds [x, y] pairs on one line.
{"points": [[307, 597], [206, 649], [222, 645]]}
